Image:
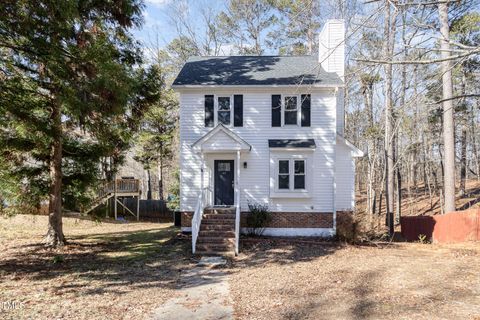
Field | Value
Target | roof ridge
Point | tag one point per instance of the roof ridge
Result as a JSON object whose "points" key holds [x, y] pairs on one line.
{"points": [[258, 56]]}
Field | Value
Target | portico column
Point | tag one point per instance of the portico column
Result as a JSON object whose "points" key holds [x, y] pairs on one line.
{"points": [[202, 170], [237, 194]]}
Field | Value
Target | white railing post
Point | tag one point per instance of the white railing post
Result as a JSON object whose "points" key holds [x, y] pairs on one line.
{"points": [[197, 216], [196, 220], [237, 209]]}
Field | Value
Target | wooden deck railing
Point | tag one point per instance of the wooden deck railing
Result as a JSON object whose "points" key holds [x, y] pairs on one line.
{"points": [[120, 186]]}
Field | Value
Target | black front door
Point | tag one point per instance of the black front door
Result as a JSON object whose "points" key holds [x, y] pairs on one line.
{"points": [[224, 175]]}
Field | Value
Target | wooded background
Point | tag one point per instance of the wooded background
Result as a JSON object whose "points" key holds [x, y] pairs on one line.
{"points": [[411, 94]]}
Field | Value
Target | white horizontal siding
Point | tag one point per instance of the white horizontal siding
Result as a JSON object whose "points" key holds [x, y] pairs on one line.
{"points": [[341, 112], [345, 178], [257, 130]]}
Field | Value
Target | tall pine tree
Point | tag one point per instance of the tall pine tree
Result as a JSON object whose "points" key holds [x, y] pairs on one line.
{"points": [[69, 95]]}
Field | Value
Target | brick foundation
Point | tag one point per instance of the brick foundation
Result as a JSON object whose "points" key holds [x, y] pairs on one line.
{"points": [[186, 219], [283, 219]]}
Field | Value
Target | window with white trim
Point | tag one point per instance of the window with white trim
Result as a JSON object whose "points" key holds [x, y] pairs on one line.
{"points": [[224, 110], [284, 174], [299, 174], [291, 174], [290, 110]]}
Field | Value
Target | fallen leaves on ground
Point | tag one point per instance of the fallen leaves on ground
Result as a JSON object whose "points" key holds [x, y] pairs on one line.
{"points": [[279, 280]]}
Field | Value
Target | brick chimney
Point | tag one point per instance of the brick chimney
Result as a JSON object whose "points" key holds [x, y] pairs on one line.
{"points": [[331, 49]]}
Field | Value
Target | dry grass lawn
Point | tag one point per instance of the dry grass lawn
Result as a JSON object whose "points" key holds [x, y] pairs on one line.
{"points": [[278, 280], [125, 271], [108, 271]]}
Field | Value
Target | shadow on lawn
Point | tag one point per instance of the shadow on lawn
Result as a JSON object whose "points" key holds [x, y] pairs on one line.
{"points": [[364, 293], [389, 290], [113, 262], [257, 251]]}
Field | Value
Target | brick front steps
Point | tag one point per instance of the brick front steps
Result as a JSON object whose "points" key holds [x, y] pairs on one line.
{"points": [[217, 232]]}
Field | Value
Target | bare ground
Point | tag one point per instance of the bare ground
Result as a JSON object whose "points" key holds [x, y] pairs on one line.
{"points": [[125, 271], [278, 280], [107, 271]]}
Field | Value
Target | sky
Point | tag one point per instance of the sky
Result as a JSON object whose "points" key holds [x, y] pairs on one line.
{"points": [[158, 27], [155, 24]]}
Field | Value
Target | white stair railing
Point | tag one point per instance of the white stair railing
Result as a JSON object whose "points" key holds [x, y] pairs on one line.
{"points": [[202, 202], [196, 220], [237, 222]]}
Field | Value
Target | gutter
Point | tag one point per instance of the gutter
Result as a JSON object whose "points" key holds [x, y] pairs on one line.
{"points": [[200, 86]]}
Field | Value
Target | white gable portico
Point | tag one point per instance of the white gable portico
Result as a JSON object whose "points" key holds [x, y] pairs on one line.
{"points": [[221, 139], [220, 152]]}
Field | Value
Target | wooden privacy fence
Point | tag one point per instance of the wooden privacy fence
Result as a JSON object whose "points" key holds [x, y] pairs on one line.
{"points": [[152, 210], [459, 226]]}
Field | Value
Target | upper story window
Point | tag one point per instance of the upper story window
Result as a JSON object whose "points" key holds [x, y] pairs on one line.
{"points": [[224, 110], [290, 110]]}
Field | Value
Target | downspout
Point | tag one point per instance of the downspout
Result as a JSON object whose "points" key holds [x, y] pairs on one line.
{"points": [[335, 169]]}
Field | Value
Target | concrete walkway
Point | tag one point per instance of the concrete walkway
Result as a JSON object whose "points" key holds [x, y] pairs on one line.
{"points": [[205, 294]]}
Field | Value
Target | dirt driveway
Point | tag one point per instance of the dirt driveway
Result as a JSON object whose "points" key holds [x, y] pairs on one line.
{"points": [[277, 280]]}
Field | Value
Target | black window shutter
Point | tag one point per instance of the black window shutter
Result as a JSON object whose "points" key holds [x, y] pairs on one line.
{"points": [[306, 110], [238, 110], [276, 110], [209, 112]]}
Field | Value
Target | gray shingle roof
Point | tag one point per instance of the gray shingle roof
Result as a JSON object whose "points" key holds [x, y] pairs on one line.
{"points": [[292, 143], [255, 70]]}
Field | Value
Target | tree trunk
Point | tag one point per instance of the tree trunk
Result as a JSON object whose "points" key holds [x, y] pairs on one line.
{"points": [[310, 39], [475, 149], [368, 99], [463, 162], [415, 139], [389, 134], [398, 175], [424, 165], [448, 111], [160, 177], [149, 192], [55, 235], [463, 142]]}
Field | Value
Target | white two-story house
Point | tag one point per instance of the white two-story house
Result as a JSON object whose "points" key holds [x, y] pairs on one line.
{"points": [[266, 130]]}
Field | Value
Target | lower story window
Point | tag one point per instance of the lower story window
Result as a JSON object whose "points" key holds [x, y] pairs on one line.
{"points": [[284, 174], [299, 178], [291, 174]]}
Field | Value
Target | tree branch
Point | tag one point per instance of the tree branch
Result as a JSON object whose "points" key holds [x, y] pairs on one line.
{"points": [[473, 95], [471, 52]]}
